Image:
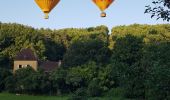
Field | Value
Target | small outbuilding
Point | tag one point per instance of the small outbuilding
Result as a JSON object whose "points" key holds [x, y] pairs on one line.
{"points": [[26, 57]]}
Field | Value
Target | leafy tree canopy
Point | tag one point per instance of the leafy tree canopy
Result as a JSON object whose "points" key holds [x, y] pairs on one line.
{"points": [[159, 9]]}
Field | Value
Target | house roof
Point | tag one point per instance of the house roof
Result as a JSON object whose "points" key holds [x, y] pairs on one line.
{"points": [[26, 54], [48, 66]]}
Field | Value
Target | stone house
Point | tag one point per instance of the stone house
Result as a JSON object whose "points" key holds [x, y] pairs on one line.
{"points": [[26, 57]]}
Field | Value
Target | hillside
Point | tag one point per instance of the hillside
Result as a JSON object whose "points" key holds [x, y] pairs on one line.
{"points": [[131, 62]]}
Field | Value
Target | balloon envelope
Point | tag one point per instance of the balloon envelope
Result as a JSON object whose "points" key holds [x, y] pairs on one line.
{"points": [[103, 5], [47, 5]]}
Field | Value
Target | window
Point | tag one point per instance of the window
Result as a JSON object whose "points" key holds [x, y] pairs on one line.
{"points": [[20, 66], [27, 65]]}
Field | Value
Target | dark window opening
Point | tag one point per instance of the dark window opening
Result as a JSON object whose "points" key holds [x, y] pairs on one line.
{"points": [[20, 66]]}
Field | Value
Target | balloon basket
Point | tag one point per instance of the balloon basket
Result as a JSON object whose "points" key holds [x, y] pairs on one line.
{"points": [[103, 14], [46, 16]]}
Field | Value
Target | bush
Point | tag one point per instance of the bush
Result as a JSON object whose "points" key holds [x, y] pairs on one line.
{"points": [[10, 84], [94, 89], [115, 92], [127, 55], [4, 73], [58, 78], [80, 94], [158, 72], [75, 97]]}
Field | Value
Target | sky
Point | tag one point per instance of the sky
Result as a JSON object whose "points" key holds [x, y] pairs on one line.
{"points": [[75, 14]]}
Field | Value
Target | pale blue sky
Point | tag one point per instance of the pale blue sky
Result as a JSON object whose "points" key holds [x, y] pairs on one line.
{"points": [[75, 13]]}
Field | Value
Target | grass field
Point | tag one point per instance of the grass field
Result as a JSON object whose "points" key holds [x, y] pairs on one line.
{"points": [[7, 96]]}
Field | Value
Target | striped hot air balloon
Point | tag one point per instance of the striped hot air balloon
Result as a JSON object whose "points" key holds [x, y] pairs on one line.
{"points": [[103, 5], [46, 6]]}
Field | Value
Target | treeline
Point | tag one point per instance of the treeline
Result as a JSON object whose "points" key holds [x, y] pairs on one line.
{"points": [[131, 62], [48, 44]]}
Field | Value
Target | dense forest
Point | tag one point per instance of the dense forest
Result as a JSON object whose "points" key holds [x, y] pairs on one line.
{"points": [[131, 62]]}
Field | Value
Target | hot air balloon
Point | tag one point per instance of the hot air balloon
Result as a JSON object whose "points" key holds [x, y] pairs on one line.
{"points": [[103, 5], [46, 6]]}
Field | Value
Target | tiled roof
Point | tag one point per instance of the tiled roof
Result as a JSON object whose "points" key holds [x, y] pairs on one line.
{"points": [[26, 54], [48, 66]]}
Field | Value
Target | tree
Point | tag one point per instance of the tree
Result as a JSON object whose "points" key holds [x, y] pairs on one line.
{"points": [[4, 73], [58, 78], [128, 49], [80, 94], [157, 65], [80, 76], [127, 54], [42, 83], [75, 79], [32, 82], [54, 51], [107, 76], [83, 51], [4, 61], [23, 79], [94, 89], [10, 84], [160, 9], [5, 41]]}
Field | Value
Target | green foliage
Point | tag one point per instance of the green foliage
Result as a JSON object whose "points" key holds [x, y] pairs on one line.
{"points": [[160, 10], [18, 37], [4, 61], [74, 97], [58, 78], [128, 49], [5, 41], [7, 96], [107, 77], [23, 78], [46, 43], [150, 33], [29, 81], [80, 94], [55, 50], [127, 54], [81, 52], [80, 76], [4, 73], [75, 78], [94, 89], [133, 61], [115, 92], [158, 71], [10, 84]]}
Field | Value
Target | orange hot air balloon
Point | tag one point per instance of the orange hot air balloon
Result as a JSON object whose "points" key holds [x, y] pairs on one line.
{"points": [[103, 5], [46, 6]]}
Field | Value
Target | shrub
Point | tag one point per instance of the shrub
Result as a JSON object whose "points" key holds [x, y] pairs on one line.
{"points": [[115, 92], [80, 94], [94, 89], [4, 73], [10, 84], [75, 97], [127, 54], [158, 72]]}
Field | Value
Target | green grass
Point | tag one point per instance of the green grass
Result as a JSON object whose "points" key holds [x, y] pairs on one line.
{"points": [[107, 98], [7, 96]]}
